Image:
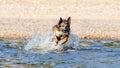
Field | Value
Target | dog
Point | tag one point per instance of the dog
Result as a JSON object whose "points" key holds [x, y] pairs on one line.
{"points": [[62, 31]]}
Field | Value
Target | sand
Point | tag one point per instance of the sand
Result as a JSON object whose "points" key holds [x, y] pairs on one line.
{"points": [[90, 18], [84, 28]]}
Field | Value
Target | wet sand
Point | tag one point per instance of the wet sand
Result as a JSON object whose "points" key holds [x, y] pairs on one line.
{"points": [[84, 28]]}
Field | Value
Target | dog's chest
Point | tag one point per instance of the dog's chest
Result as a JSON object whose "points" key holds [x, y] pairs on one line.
{"points": [[60, 34]]}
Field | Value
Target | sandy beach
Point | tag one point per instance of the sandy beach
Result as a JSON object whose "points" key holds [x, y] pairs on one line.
{"points": [[90, 18]]}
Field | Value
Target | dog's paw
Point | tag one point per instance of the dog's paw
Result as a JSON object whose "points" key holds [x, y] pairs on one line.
{"points": [[60, 43], [55, 43]]}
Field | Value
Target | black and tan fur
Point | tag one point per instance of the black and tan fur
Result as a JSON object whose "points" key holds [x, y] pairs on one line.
{"points": [[62, 31]]}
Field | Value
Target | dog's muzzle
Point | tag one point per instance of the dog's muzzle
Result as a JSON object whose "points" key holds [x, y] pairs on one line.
{"points": [[65, 31]]}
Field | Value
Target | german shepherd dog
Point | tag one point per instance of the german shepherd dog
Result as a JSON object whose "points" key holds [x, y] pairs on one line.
{"points": [[62, 31]]}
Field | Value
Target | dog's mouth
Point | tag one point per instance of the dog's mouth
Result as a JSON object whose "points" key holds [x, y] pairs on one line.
{"points": [[64, 30]]}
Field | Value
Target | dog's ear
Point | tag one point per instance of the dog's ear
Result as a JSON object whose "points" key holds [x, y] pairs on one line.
{"points": [[60, 21], [69, 20]]}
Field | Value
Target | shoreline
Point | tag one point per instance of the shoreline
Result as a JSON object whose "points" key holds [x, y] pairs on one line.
{"points": [[84, 28]]}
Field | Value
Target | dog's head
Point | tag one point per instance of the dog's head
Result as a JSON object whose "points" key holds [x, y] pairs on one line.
{"points": [[64, 25]]}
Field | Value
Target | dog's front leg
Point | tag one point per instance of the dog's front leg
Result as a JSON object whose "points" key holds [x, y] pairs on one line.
{"points": [[64, 40], [56, 40]]}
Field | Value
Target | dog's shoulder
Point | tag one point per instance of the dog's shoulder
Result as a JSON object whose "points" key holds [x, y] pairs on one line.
{"points": [[56, 31], [55, 28]]}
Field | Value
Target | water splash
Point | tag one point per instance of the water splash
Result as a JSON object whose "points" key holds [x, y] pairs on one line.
{"points": [[96, 55], [45, 43]]}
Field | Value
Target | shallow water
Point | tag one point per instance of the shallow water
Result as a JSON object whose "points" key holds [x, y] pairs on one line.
{"points": [[93, 54], [45, 43]]}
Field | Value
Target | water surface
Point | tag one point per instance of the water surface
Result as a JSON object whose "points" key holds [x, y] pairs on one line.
{"points": [[93, 54]]}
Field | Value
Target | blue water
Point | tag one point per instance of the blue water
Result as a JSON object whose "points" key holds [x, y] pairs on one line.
{"points": [[95, 54]]}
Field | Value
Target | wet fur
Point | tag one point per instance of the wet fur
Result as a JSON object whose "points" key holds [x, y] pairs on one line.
{"points": [[62, 31]]}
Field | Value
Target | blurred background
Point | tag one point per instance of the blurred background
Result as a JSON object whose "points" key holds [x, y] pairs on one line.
{"points": [[90, 18], [90, 9]]}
